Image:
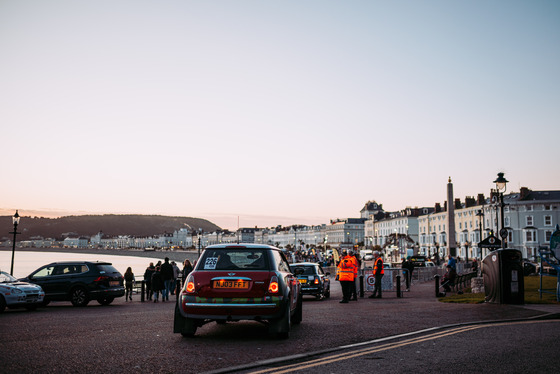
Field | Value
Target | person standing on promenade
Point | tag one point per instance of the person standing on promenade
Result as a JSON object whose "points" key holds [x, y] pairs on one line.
{"points": [[176, 272], [128, 282], [356, 260], [345, 272], [187, 268], [148, 279], [166, 271], [157, 284], [378, 272]]}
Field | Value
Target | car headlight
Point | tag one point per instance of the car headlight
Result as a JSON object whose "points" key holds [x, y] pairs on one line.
{"points": [[17, 291]]}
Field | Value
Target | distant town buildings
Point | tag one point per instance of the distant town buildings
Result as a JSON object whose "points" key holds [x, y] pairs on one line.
{"points": [[530, 218]]}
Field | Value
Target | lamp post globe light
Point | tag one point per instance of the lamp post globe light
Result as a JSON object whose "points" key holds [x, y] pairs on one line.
{"points": [[15, 221], [501, 184]]}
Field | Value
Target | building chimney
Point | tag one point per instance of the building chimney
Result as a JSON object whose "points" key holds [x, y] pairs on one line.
{"points": [[524, 193], [437, 208], [480, 199], [458, 204], [469, 201]]}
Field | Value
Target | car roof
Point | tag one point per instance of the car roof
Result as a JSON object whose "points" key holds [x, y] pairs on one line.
{"points": [[242, 246], [79, 262]]}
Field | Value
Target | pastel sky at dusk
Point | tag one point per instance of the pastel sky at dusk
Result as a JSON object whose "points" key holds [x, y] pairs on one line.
{"points": [[276, 112]]}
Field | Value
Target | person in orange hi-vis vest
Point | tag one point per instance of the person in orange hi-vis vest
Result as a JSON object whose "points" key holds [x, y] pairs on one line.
{"points": [[346, 276], [354, 292], [378, 274]]}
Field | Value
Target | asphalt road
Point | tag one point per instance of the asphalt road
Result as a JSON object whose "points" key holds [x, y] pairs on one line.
{"points": [[136, 337]]}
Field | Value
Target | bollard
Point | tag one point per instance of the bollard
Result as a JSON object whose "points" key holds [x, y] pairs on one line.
{"points": [[436, 277], [142, 291], [399, 294], [361, 285]]}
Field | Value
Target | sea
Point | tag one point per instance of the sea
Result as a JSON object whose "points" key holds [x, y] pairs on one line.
{"points": [[26, 262]]}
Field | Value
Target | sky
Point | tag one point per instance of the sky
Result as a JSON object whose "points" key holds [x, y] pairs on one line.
{"points": [[265, 113]]}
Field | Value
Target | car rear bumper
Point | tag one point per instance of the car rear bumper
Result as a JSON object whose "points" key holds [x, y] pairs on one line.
{"points": [[111, 292], [231, 308]]}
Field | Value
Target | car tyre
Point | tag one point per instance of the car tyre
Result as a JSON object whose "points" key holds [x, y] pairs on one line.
{"points": [[79, 297], [186, 326], [2, 304], [105, 300], [281, 326]]}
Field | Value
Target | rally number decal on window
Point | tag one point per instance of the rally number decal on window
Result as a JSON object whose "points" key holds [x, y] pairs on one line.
{"points": [[211, 263]]}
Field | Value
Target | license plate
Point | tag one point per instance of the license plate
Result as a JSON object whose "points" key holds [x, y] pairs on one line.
{"points": [[231, 284], [113, 283], [303, 281], [31, 299]]}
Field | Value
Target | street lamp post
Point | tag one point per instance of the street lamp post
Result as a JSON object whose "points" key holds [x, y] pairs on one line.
{"points": [[501, 188], [480, 215], [15, 221], [199, 241]]}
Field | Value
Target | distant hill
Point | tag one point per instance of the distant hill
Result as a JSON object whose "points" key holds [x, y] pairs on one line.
{"points": [[110, 224]]}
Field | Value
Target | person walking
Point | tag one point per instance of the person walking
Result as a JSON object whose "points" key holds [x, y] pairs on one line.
{"points": [[378, 272], [128, 282], [148, 279], [345, 272], [408, 268], [157, 284], [166, 271]]}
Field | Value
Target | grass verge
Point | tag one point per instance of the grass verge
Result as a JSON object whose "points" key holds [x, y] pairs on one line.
{"points": [[532, 285]]}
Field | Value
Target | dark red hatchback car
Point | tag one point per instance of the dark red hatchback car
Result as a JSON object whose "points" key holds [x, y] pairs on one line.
{"points": [[240, 282]]}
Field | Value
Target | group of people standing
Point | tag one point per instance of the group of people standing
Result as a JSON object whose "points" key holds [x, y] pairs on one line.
{"points": [[347, 273], [164, 278]]}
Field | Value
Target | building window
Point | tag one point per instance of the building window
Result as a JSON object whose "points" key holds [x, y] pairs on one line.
{"points": [[506, 209], [529, 220], [507, 221], [548, 220], [510, 237], [547, 235], [547, 207], [529, 208], [530, 236]]}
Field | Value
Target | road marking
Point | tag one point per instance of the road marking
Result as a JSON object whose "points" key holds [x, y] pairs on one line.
{"points": [[384, 347]]}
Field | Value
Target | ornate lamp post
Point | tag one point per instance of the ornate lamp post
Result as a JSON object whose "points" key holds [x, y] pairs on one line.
{"points": [[480, 215], [501, 188], [199, 241], [15, 221]]}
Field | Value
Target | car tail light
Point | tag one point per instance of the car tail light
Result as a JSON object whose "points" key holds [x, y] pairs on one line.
{"points": [[273, 286], [102, 278], [316, 281], [190, 287]]}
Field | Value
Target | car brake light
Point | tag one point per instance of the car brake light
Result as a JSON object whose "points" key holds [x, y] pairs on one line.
{"points": [[190, 284], [316, 281], [273, 286], [102, 278]]}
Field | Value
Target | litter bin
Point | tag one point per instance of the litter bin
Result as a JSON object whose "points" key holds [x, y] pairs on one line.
{"points": [[502, 271]]}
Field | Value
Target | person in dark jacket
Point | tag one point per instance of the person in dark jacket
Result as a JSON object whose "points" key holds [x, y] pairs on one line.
{"points": [[148, 279], [128, 282], [157, 284], [167, 275], [187, 268]]}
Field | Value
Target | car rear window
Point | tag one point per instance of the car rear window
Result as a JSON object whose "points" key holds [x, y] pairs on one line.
{"points": [[307, 270], [107, 269], [234, 259]]}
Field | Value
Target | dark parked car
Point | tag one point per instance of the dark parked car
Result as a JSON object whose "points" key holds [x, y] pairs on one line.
{"points": [[314, 281], [236, 282], [78, 282]]}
